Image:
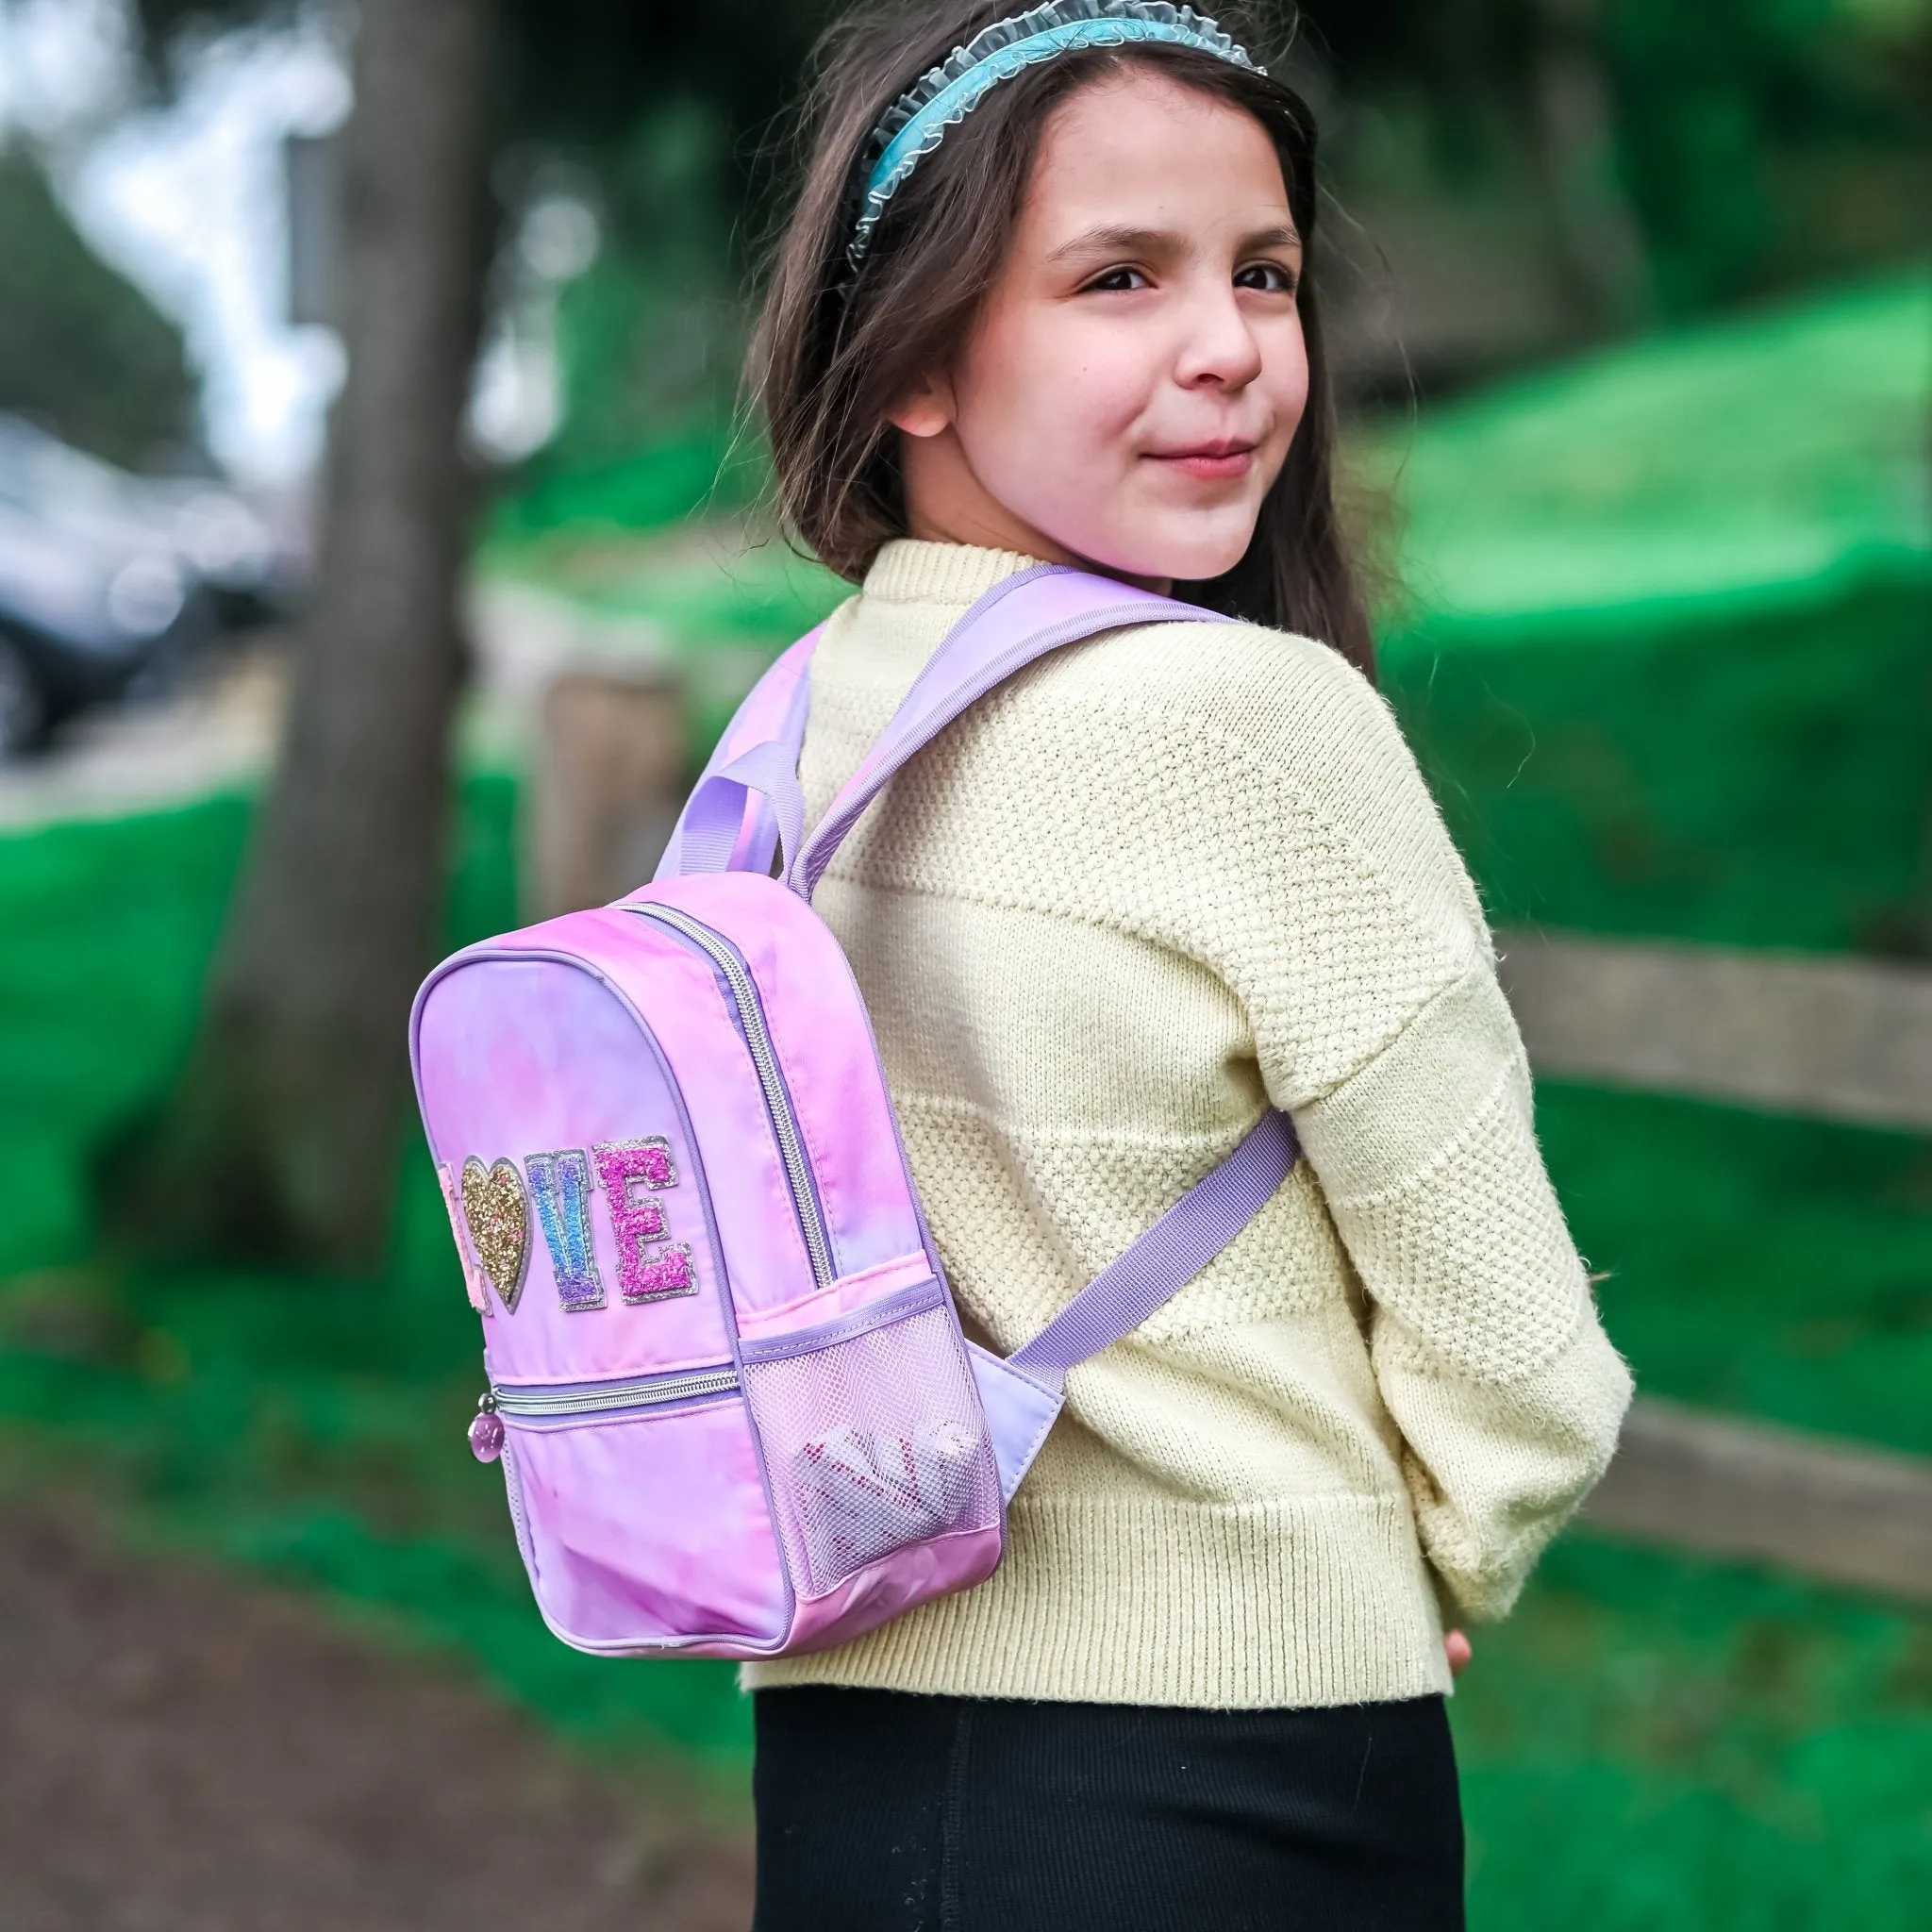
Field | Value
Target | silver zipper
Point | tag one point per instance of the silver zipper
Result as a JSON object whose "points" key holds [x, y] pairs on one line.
{"points": [[751, 1013], [650, 1392]]}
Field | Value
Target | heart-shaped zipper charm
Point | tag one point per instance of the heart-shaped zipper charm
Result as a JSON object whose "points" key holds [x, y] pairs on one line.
{"points": [[486, 1431]]}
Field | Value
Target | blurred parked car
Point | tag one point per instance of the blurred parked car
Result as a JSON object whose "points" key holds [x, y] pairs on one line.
{"points": [[110, 581]]}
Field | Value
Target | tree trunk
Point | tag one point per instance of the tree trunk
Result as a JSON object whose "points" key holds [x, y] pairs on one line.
{"points": [[1598, 245], [283, 1142]]}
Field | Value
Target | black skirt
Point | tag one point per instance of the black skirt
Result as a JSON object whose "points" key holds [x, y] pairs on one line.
{"points": [[883, 1812]]}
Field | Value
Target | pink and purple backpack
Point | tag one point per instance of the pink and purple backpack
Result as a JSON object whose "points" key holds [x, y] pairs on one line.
{"points": [[736, 1413]]}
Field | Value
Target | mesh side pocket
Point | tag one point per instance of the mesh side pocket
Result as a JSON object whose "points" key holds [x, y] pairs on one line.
{"points": [[873, 1443]]}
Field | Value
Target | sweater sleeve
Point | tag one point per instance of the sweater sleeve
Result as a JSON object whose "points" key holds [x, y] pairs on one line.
{"points": [[1483, 1332], [1415, 1110]]}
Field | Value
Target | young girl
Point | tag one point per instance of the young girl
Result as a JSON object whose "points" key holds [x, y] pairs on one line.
{"points": [[1148, 888]]}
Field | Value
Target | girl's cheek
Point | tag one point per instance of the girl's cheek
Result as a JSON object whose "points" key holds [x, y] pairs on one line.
{"points": [[1052, 397], [1105, 393], [1064, 426], [1286, 363]]}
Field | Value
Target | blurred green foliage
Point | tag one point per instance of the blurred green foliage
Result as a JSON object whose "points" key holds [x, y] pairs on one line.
{"points": [[1766, 144], [649, 342], [1760, 145], [654, 486], [81, 348], [649, 337], [1666, 649], [1704, 472]]}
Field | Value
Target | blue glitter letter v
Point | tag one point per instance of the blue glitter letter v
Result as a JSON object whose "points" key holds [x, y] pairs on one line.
{"points": [[561, 1183]]}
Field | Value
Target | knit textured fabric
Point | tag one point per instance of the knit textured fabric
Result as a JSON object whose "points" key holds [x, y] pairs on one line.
{"points": [[1150, 884]]}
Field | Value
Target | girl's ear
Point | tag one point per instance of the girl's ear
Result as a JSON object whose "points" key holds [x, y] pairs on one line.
{"points": [[927, 410]]}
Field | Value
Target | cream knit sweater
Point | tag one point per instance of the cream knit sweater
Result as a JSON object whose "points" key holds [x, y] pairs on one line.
{"points": [[1151, 883]]}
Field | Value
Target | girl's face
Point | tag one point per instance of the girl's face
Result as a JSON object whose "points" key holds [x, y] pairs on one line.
{"points": [[1134, 378]]}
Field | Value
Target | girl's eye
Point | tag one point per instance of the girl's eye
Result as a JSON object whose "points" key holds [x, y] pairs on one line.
{"points": [[1116, 281], [1271, 278]]}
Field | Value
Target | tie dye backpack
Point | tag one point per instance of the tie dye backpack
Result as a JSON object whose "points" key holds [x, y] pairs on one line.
{"points": [[735, 1411]]}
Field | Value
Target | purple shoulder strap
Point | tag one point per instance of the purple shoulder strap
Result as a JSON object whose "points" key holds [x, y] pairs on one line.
{"points": [[773, 714], [1155, 1266], [746, 807], [1020, 619], [746, 797]]}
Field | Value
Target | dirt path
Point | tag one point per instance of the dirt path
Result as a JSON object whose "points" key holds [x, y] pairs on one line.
{"points": [[180, 1751]]}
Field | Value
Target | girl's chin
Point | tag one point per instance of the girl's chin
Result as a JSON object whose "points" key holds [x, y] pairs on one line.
{"points": [[1189, 557]]}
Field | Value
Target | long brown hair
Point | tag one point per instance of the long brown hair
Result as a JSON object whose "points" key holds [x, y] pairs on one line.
{"points": [[836, 351]]}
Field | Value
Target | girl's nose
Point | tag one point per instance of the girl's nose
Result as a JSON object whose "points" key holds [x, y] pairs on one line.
{"points": [[1218, 347]]}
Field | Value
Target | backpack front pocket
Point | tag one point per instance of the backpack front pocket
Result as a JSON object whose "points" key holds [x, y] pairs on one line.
{"points": [[872, 1437], [642, 1512]]}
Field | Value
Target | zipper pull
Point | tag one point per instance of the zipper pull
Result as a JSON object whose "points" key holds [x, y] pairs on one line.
{"points": [[486, 1432]]}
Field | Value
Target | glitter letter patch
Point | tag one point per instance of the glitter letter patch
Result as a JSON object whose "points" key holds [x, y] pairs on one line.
{"points": [[561, 1183], [650, 1266]]}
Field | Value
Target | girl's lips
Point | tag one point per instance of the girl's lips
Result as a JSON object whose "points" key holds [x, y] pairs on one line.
{"points": [[1210, 460]]}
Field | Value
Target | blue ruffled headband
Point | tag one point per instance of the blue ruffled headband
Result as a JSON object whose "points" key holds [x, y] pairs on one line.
{"points": [[917, 121]]}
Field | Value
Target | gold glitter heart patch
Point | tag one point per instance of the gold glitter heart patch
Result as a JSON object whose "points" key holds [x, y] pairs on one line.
{"points": [[496, 1211]]}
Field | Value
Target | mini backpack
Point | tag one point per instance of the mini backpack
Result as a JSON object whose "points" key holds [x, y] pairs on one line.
{"points": [[736, 1413]]}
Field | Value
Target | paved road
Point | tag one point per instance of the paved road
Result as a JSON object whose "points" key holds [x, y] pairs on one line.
{"points": [[221, 730]]}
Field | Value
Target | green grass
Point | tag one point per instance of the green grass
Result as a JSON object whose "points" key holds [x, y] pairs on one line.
{"points": [[1650, 1742], [1654, 1744], [1665, 636], [1755, 780], [106, 928], [1719, 469], [1775, 1268], [647, 489]]}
